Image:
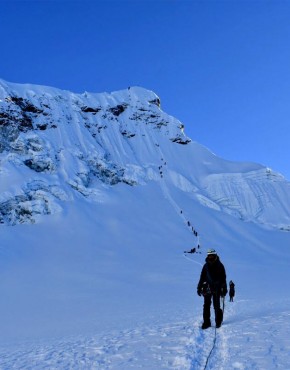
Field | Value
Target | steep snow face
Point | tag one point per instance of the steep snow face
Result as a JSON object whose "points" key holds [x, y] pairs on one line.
{"points": [[57, 146]]}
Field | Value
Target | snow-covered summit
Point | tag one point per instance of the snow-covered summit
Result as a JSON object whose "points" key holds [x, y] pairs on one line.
{"points": [[57, 146]]}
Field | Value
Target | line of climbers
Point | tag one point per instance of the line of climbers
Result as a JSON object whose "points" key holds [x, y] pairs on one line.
{"points": [[160, 168], [193, 250], [195, 233]]}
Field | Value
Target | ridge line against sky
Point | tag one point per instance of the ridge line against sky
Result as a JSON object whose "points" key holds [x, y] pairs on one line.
{"points": [[222, 68]]}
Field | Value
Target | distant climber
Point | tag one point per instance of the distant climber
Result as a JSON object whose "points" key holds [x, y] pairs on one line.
{"points": [[193, 250], [232, 291], [212, 285]]}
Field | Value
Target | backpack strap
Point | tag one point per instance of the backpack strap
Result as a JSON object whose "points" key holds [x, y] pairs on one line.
{"points": [[209, 278]]}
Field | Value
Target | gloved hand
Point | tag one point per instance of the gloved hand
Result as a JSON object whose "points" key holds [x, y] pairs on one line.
{"points": [[199, 291], [224, 291]]}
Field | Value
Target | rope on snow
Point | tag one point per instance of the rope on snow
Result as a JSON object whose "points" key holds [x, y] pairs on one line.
{"points": [[214, 340], [198, 263], [208, 357]]}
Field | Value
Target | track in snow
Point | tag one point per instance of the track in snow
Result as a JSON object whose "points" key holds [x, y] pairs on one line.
{"points": [[176, 346], [247, 340]]}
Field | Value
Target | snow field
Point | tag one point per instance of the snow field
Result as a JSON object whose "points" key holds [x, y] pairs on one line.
{"points": [[247, 340]]}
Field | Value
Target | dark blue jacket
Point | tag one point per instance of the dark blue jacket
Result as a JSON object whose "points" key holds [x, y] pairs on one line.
{"points": [[215, 275]]}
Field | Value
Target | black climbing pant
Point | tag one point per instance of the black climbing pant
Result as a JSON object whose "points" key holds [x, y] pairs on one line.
{"points": [[217, 309]]}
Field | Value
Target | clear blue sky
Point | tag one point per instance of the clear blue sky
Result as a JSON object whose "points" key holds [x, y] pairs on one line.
{"points": [[221, 67]]}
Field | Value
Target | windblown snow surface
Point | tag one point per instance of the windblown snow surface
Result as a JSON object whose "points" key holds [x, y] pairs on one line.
{"points": [[99, 199]]}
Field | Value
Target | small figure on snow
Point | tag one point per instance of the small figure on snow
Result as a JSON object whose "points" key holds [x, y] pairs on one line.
{"points": [[193, 250], [212, 285], [232, 291]]}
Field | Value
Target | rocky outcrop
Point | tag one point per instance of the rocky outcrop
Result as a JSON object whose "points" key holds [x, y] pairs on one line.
{"points": [[19, 115], [90, 109], [180, 140], [35, 200], [118, 109]]}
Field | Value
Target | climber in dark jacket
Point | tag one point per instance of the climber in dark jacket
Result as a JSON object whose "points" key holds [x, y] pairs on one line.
{"points": [[212, 285], [232, 290]]}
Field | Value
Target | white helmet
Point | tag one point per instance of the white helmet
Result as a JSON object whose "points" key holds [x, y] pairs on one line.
{"points": [[211, 251]]}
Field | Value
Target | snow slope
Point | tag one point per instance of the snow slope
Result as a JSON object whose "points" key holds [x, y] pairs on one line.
{"points": [[99, 197]]}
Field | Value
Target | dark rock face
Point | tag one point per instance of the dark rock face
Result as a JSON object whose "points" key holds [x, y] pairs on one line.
{"points": [[156, 102], [108, 172], [41, 127], [87, 109], [14, 211], [24, 105], [127, 134], [39, 164], [23, 209], [180, 140], [36, 199], [17, 118], [19, 115], [120, 108]]}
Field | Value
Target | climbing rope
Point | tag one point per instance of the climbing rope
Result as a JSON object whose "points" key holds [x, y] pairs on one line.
{"points": [[214, 341], [208, 357], [193, 261]]}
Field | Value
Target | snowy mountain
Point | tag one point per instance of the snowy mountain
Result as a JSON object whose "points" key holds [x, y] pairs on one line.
{"points": [[56, 146], [100, 195]]}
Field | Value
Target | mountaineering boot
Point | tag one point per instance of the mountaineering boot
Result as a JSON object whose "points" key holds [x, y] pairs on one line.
{"points": [[219, 318], [206, 324]]}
